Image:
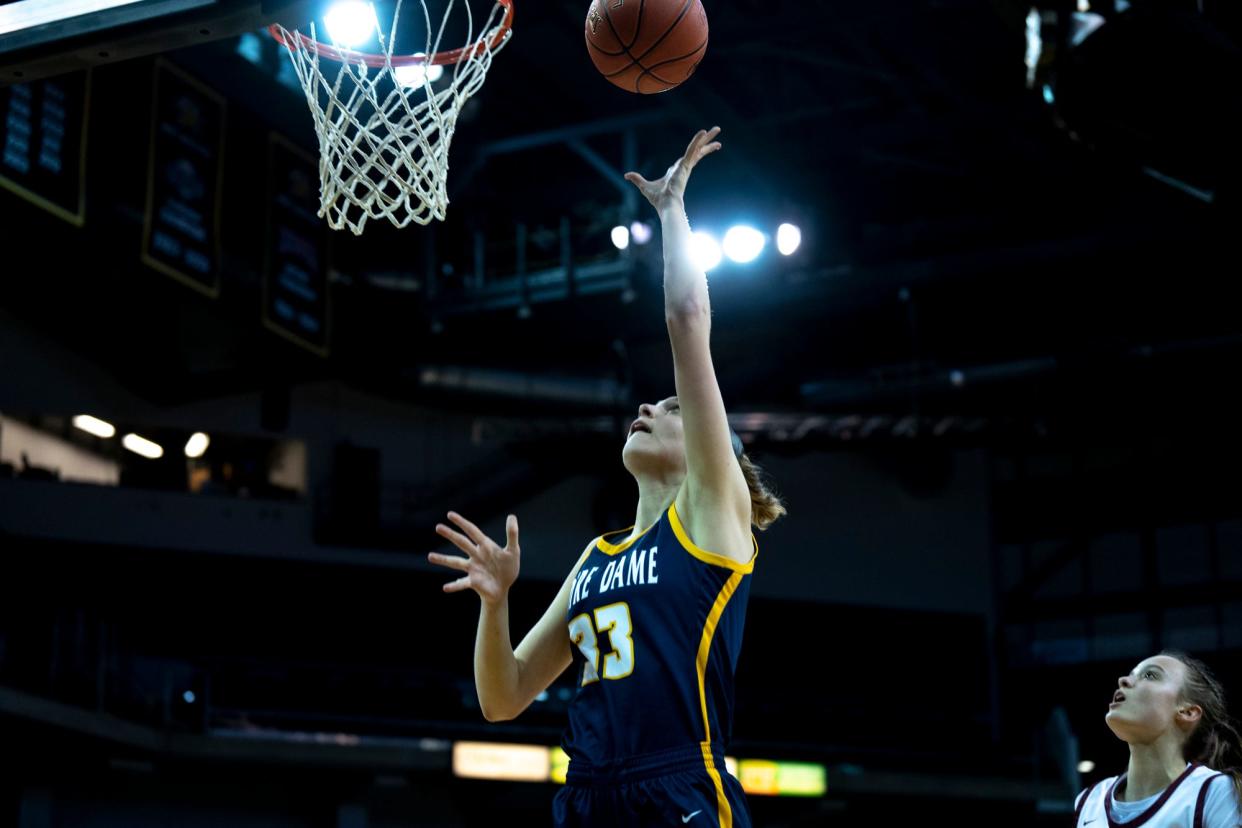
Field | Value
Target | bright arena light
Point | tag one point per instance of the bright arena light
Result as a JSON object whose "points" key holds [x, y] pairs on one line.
{"points": [[788, 237], [351, 23], [743, 244], [412, 77], [706, 250], [93, 425], [1086, 766], [640, 232], [196, 445], [620, 237], [143, 446]]}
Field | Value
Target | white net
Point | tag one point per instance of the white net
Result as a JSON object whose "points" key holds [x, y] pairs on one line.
{"points": [[385, 121]]}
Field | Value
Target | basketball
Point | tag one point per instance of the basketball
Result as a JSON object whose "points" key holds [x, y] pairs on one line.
{"points": [[646, 46]]}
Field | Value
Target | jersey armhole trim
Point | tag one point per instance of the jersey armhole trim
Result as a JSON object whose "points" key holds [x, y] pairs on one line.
{"points": [[710, 557], [1201, 802], [1082, 802]]}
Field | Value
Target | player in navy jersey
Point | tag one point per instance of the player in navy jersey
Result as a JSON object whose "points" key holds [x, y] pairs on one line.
{"points": [[650, 617], [1171, 711]]}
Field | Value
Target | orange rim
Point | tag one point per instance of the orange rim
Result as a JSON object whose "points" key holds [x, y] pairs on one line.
{"points": [[286, 39]]}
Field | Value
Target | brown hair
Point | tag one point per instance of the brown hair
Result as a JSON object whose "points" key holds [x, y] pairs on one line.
{"points": [[1215, 741], [765, 503]]}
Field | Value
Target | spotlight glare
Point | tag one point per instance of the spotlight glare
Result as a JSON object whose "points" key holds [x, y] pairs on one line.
{"points": [[93, 425], [743, 244], [197, 445], [788, 238], [351, 23], [413, 77], [705, 249], [640, 232], [1086, 766], [620, 237], [143, 446]]}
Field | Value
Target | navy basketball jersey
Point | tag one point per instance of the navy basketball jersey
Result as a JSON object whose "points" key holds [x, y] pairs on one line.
{"points": [[656, 625]]}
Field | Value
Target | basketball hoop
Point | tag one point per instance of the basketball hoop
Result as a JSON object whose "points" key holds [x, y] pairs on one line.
{"points": [[384, 136]]}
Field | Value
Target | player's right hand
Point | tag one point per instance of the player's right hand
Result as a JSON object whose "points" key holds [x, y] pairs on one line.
{"points": [[488, 568], [672, 187]]}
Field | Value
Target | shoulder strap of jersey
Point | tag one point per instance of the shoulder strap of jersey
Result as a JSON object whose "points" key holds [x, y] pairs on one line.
{"points": [[1202, 801], [1082, 802]]}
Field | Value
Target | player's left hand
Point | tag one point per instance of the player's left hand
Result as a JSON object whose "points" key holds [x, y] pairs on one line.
{"points": [[488, 568]]}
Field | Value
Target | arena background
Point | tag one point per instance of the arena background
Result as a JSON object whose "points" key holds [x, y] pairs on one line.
{"points": [[995, 384]]}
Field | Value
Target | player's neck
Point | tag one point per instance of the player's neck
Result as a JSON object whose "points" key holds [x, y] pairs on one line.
{"points": [[1152, 768], [654, 498]]}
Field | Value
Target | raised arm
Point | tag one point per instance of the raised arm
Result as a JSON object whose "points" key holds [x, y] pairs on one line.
{"points": [[714, 478]]}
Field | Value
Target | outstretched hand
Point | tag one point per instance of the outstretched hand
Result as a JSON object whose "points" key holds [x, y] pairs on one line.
{"points": [[672, 187], [488, 569]]}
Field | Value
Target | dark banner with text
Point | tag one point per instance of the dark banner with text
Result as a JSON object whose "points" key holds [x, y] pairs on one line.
{"points": [[296, 304], [43, 136], [181, 234]]}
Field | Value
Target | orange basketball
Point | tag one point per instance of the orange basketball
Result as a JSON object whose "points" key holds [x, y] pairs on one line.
{"points": [[646, 46]]}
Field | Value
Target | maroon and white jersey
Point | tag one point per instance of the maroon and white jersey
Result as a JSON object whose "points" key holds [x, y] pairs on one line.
{"points": [[1199, 798]]}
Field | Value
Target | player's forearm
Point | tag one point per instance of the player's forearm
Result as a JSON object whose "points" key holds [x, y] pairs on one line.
{"points": [[685, 283], [495, 666]]}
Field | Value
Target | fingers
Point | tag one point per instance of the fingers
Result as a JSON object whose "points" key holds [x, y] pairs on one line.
{"points": [[706, 137], [637, 180], [693, 146], [511, 531], [458, 585], [701, 138], [457, 539], [473, 532], [451, 561]]}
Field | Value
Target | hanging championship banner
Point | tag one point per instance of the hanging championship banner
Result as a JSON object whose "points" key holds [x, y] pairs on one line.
{"points": [[296, 302], [43, 143], [181, 231]]}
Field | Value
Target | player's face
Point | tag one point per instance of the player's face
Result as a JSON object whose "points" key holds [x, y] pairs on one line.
{"points": [[1145, 704], [655, 441]]}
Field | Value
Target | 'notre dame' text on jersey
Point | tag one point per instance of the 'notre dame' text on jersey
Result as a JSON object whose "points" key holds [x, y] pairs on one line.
{"points": [[656, 624]]}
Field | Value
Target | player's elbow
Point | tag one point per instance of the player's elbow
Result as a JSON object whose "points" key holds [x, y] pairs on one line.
{"points": [[495, 713], [502, 710]]}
